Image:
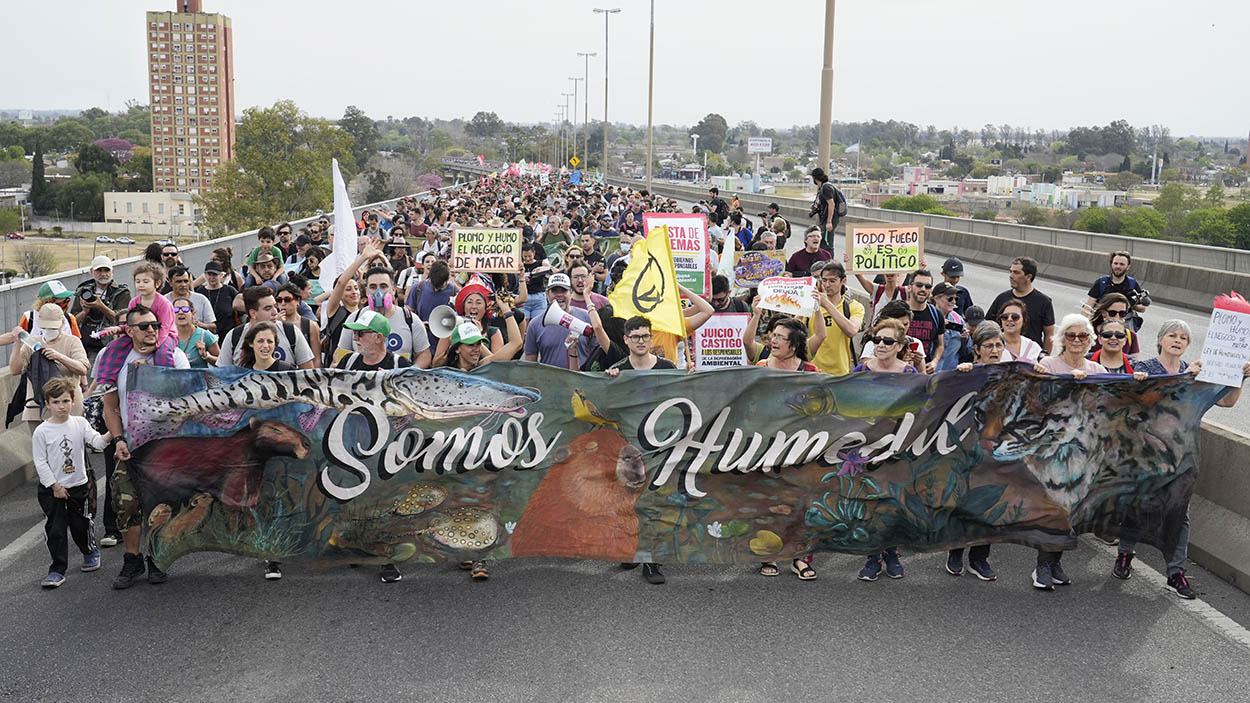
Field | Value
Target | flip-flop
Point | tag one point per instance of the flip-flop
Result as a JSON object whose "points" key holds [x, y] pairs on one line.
{"points": [[479, 572]]}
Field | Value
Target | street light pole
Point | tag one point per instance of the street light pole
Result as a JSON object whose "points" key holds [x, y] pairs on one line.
{"points": [[606, 14], [826, 90], [695, 137], [586, 106], [568, 143], [573, 131], [650, 99]]}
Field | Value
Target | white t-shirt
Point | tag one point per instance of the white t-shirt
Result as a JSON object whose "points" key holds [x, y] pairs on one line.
{"points": [[203, 308], [402, 342], [232, 346], [58, 451], [1029, 351]]}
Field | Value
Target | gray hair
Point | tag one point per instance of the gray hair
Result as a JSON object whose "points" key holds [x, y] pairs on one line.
{"points": [[1172, 326], [987, 331], [1076, 319]]}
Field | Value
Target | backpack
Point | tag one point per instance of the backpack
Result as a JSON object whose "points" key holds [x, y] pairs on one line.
{"points": [[288, 328]]}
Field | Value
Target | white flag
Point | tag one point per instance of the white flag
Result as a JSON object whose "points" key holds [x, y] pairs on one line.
{"points": [[344, 240], [853, 149]]}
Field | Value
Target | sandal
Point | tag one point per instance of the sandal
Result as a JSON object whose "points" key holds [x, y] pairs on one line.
{"points": [[803, 570], [466, 565], [769, 568], [479, 572]]}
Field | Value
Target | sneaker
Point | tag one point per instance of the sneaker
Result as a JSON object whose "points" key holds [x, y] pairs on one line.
{"points": [[91, 562], [110, 539], [1058, 576], [1109, 541], [1042, 579], [981, 569], [390, 574], [273, 571], [651, 572], [155, 575], [132, 568], [1123, 568], [871, 570], [1177, 582], [52, 580], [893, 567], [954, 564]]}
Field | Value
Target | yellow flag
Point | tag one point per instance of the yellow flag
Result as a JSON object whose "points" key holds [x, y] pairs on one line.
{"points": [[649, 285]]}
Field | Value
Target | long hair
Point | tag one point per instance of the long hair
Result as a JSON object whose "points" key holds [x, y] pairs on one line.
{"points": [[249, 356]]}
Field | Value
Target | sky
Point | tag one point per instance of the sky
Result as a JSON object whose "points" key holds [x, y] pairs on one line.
{"points": [[1050, 65]]}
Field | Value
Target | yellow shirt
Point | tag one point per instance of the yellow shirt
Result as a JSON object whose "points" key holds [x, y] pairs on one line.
{"points": [[834, 355], [664, 345]]}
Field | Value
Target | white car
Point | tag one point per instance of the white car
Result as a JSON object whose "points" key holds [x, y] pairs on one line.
{"points": [[104, 240], [125, 240]]}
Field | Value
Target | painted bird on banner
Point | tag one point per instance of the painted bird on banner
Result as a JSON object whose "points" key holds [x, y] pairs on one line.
{"points": [[649, 285]]}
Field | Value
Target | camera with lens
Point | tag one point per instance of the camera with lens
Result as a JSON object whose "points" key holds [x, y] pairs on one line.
{"points": [[86, 295], [1140, 296]]}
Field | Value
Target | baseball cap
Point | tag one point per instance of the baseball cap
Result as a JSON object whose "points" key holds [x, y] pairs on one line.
{"points": [[944, 288], [953, 267], [371, 321], [56, 289], [101, 262], [213, 266], [467, 333], [974, 315], [559, 280], [50, 318]]}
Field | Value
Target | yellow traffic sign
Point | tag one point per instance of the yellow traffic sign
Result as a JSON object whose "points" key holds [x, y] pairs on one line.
{"points": [[574, 162]]}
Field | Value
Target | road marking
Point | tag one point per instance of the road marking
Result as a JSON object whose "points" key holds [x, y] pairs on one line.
{"points": [[31, 537], [1199, 608]]}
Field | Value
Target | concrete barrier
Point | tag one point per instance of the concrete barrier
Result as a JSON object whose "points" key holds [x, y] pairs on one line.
{"points": [[17, 466]]}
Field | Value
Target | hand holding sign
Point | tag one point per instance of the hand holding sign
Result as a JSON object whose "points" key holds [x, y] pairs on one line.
{"points": [[885, 249], [1226, 351]]}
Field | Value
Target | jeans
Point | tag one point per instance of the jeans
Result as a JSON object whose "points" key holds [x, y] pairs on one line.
{"points": [[71, 513], [1176, 560], [534, 306]]}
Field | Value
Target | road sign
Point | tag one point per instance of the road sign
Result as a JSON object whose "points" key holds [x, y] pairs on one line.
{"points": [[759, 145], [574, 162]]}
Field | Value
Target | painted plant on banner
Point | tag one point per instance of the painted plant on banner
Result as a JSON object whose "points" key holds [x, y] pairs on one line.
{"points": [[725, 466]]}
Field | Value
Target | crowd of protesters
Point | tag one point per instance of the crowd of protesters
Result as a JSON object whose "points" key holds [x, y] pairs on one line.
{"points": [[271, 313]]}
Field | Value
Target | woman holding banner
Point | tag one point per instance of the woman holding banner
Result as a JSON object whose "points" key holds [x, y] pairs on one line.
{"points": [[1013, 318]]}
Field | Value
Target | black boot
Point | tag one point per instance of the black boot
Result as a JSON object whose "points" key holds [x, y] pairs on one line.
{"points": [[132, 568]]}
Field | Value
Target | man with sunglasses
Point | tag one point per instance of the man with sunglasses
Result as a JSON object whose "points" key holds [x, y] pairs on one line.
{"points": [[170, 259], [1118, 281], [927, 322], [1041, 312]]}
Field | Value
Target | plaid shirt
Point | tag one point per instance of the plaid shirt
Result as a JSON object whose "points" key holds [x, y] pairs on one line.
{"points": [[109, 364]]}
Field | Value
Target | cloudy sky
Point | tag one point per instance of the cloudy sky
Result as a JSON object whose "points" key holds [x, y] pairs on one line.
{"points": [[1050, 64]]}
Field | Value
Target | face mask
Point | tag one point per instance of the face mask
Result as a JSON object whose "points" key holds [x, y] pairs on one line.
{"points": [[380, 300]]}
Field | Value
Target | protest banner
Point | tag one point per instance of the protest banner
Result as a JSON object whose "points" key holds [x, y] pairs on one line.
{"points": [[322, 466], [886, 248], [751, 267], [718, 343], [793, 296], [486, 250], [688, 234], [544, 179], [1227, 346]]}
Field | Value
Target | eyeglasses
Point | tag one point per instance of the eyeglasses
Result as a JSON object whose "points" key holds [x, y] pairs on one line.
{"points": [[884, 341], [993, 346], [182, 308], [287, 231], [1012, 316], [1116, 313], [1113, 335], [286, 299], [1076, 336], [146, 326], [360, 333], [637, 337]]}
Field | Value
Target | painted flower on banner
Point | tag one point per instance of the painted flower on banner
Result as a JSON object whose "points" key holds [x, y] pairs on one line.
{"points": [[509, 526], [714, 529]]}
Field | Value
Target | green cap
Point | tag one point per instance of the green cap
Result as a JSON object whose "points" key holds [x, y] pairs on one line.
{"points": [[372, 321], [54, 289], [467, 333]]}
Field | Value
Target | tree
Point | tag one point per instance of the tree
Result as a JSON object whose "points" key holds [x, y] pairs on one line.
{"points": [[10, 220], [911, 203], [13, 173], [1214, 197], [94, 158], [484, 124], [37, 260], [379, 186], [83, 196], [1176, 198], [1239, 216], [1092, 220], [711, 130], [1210, 226], [1031, 215], [1126, 164], [716, 165], [356, 123], [426, 181], [985, 215], [281, 169], [1142, 222], [1124, 180], [138, 171], [1119, 137]]}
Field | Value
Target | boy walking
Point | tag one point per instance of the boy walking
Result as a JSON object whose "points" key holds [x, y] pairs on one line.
{"points": [[57, 445]]}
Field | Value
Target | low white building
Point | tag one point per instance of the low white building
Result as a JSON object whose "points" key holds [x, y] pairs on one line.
{"points": [[149, 208]]}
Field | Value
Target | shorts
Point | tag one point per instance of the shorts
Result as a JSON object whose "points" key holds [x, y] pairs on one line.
{"points": [[534, 305], [126, 499]]}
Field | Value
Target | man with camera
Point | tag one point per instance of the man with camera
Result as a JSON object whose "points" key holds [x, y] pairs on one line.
{"points": [[98, 302], [1118, 281], [828, 208]]}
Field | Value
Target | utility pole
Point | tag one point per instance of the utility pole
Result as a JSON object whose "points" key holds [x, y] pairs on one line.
{"points": [[567, 141], [650, 99], [606, 14], [695, 137], [574, 129], [826, 89], [586, 106]]}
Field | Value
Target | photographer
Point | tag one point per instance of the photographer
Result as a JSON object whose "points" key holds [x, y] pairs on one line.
{"points": [[828, 208], [98, 302], [1118, 281]]}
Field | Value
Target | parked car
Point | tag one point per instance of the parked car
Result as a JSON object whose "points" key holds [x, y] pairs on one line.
{"points": [[16, 235], [125, 240], [102, 239]]}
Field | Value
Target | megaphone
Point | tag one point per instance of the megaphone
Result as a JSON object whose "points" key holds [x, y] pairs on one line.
{"points": [[557, 316], [443, 319]]}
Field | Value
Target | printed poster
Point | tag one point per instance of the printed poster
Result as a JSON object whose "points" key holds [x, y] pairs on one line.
{"points": [[688, 234], [718, 343], [793, 296]]}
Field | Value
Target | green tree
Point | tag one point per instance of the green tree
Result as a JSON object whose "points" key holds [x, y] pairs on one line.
{"points": [[1176, 198], [93, 158], [1126, 164], [716, 165], [69, 133], [138, 172], [985, 215], [1239, 216], [711, 130], [281, 169], [1210, 226], [1142, 222], [379, 186], [10, 220], [1031, 215], [484, 124], [439, 141], [82, 196], [1092, 220], [1214, 196], [1124, 180], [984, 171], [356, 123], [911, 203]]}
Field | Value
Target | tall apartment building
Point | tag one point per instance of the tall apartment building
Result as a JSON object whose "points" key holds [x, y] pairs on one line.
{"points": [[191, 76]]}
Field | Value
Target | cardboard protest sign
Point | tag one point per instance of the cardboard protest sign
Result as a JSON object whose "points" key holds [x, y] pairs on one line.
{"points": [[486, 250], [544, 179], [718, 343], [688, 233], [1227, 346], [751, 267], [794, 296], [886, 248]]}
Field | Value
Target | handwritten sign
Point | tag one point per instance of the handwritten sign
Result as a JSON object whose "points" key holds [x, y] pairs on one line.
{"points": [[751, 267], [886, 249], [1227, 346], [794, 296], [718, 343], [544, 179], [688, 234], [486, 250]]}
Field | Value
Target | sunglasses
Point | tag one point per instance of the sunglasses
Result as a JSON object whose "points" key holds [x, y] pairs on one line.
{"points": [[1116, 313], [286, 299], [1009, 316], [924, 286], [169, 253], [884, 341], [1075, 336], [182, 308], [1113, 335], [146, 326]]}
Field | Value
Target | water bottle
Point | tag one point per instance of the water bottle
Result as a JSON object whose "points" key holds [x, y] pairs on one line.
{"points": [[25, 338]]}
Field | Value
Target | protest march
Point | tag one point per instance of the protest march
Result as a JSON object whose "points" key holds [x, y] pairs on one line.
{"points": [[502, 369]]}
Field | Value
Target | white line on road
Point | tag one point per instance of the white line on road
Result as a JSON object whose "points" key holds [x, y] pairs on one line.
{"points": [[28, 539]]}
